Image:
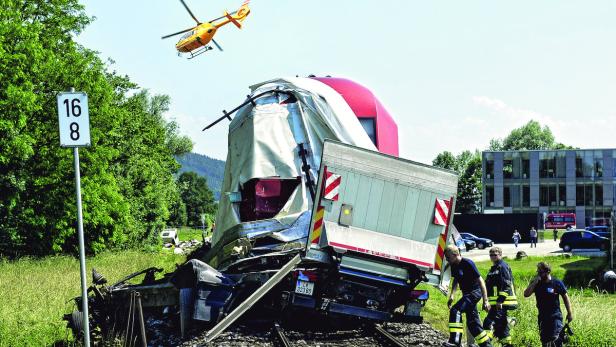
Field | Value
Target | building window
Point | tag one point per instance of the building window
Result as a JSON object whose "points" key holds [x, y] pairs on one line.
{"points": [[525, 196], [599, 194], [561, 164], [507, 196], [490, 196], [579, 195], [544, 196], [515, 196], [588, 188], [547, 195], [489, 169], [507, 168], [525, 164], [562, 195], [579, 164], [588, 163], [598, 164], [547, 165], [585, 164]]}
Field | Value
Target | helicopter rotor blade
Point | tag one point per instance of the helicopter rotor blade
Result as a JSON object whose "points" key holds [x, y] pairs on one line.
{"points": [[217, 45], [179, 32], [190, 12], [221, 17]]}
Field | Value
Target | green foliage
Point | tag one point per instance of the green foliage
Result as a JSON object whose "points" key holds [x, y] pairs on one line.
{"points": [[468, 167], [128, 187], [212, 169], [197, 197], [530, 136]]}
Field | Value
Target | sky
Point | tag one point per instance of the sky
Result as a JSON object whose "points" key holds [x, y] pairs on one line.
{"points": [[453, 74]]}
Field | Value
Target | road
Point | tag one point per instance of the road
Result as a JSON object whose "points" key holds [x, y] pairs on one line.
{"points": [[546, 248]]}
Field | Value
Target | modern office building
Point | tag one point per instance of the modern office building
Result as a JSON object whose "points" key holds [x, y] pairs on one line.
{"points": [[545, 181]]}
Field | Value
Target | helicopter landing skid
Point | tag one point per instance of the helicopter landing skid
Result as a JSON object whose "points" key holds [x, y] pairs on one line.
{"points": [[200, 51]]}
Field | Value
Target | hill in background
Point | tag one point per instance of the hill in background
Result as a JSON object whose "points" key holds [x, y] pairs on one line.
{"points": [[210, 168]]}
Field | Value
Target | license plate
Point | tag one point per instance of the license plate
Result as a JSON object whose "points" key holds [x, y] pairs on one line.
{"points": [[304, 287]]}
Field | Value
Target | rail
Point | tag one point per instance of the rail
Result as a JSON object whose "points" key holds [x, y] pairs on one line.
{"points": [[384, 337], [278, 336]]}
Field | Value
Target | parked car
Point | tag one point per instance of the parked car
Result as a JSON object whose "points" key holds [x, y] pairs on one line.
{"points": [[481, 242], [601, 230], [470, 244], [461, 245], [465, 245], [583, 239]]}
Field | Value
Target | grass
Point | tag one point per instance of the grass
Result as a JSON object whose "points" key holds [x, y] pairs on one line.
{"points": [[187, 234], [35, 293], [594, 313]]}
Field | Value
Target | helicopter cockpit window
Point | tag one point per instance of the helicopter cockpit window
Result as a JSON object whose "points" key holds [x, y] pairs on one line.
{"points": [[187, 35]]}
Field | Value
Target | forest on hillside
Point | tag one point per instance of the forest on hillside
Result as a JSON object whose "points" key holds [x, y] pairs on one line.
{"points": [[209, 168]]}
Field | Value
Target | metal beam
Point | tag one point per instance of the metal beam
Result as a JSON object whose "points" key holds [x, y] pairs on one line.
{"points": [[258, 294]]}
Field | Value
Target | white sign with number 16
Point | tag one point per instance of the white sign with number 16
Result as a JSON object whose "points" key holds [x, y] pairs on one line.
{"points": [[74, 119]]}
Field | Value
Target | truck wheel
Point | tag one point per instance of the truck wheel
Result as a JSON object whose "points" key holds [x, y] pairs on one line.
{"points": [[566, 248]]}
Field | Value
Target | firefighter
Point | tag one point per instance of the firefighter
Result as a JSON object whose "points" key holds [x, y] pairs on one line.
{"points": [[501, 296], [466, 275], [547, 291]]}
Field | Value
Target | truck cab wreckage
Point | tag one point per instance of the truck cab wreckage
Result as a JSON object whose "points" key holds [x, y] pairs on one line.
{"points": [[317, 213]]}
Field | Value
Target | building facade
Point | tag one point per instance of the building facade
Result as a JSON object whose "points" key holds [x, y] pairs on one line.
{"points": [[544, 181]]}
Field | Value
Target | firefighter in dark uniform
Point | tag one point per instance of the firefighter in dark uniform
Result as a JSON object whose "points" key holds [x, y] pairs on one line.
{"points": [[547, 291], [501, 296], [466, 275]]}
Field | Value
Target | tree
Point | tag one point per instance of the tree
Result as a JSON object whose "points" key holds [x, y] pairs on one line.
{"points": [[530, 136], [467, 165], [128, 187], [469, 187], [196, 196]]}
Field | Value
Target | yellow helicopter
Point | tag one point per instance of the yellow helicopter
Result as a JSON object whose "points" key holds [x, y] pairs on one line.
{"points": [[195, 40]]}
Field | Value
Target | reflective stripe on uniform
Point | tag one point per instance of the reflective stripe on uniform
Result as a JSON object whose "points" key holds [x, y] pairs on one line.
{"points": [[456, 327], [482, 337]]}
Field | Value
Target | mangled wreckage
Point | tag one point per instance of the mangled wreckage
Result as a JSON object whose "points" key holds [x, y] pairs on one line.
{"points": [[317, 213]]}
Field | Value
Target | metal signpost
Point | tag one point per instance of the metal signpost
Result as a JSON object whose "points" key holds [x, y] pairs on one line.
{"points": [[74, 121]]}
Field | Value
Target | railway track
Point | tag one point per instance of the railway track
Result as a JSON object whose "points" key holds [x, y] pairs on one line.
{"points": [[384, 337], [373, 335], [279, 339]]}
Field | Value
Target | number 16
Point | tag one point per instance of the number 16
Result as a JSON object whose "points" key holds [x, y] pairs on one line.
{"points": [[74, 107]]}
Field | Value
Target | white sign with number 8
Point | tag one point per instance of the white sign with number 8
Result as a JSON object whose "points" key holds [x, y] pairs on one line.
{"points": [[74, 119]]}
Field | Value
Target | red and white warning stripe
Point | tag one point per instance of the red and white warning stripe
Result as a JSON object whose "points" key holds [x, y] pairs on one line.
{"points": [[332, 185], [441, 211]]}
